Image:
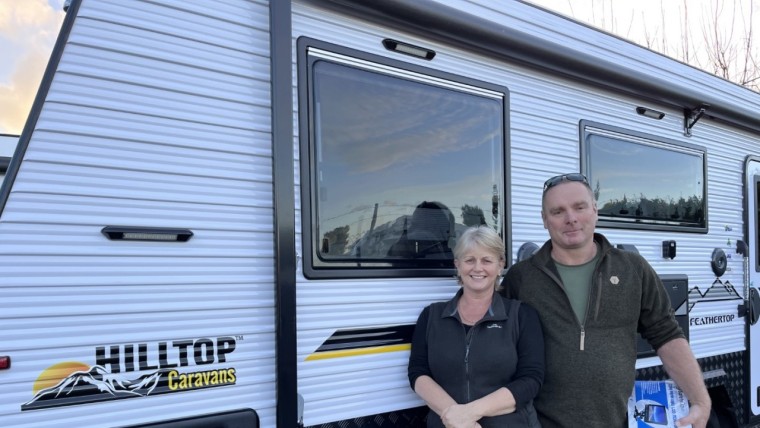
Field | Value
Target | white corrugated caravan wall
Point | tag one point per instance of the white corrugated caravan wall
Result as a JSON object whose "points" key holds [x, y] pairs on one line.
{"points": [[545, 111], [166, 123], [158, 115]]}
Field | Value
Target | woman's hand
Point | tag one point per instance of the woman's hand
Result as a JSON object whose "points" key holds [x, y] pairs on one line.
{"points": [[460, 416]]}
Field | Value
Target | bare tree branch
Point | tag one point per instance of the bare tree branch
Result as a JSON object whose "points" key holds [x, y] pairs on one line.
{"points": [[725, 47]]}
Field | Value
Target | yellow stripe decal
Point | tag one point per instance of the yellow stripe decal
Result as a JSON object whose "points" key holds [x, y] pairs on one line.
{"points": [[358, 351]]}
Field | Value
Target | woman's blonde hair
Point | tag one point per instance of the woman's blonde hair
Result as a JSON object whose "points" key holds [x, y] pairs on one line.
{"points": [[483, 237]]}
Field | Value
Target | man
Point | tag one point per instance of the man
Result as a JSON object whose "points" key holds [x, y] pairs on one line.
{"points": [[592, 298]]}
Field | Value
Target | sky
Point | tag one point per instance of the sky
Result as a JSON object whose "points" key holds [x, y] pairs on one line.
{"points": [[662, 25], [28, 30]]}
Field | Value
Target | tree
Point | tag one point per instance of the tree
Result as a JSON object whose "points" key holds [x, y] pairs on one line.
{"points": [[472, 215], [335, 241], [732, 59], [725, 45], [716, 36]]}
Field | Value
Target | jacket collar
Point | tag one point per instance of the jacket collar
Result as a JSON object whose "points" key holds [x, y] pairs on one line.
{"points": [[496, 312]]}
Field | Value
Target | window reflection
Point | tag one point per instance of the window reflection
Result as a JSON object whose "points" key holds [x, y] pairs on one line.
{"points": [[638, 180], [402, 165]]}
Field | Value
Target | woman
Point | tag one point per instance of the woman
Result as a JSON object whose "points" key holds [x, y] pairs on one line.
{"points": [[478, 359]]}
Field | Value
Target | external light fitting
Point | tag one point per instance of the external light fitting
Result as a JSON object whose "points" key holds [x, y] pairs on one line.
{"points": [[650, 113], [131, 233], [406, 48]]}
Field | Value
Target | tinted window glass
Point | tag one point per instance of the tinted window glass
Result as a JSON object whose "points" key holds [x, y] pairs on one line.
{"points": [[641, 181], [402, 163]]}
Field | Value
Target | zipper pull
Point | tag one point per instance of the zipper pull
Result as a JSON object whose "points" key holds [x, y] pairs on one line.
{"points": [[583, 338]]}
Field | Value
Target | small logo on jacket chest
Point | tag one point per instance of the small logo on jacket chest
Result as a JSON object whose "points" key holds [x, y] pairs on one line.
{"points": [[493, 325], [614, 280]]}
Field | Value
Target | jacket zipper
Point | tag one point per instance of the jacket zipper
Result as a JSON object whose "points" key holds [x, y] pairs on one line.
{"points": [[596, 286], [562, 287], [598, 296], [467, 369], [468, 341], [583, 338], [582, 324], [585, 316], [597, 274]]}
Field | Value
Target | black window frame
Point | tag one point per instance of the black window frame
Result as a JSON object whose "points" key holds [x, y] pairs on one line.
{"points": [[309, 238], [756, 218], [4, 162], [653, 141]]}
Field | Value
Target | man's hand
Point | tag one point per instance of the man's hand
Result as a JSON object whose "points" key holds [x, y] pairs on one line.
{"points": [[697, 417]]}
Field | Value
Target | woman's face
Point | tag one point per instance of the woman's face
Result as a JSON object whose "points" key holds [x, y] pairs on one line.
{"points": [[479, 269]]}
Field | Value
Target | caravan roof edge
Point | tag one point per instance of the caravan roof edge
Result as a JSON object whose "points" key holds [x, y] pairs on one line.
{"points": [[479, 33]]}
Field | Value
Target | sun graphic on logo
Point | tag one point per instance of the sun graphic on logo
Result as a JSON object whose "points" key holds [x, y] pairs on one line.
{"points": [[55, 373]]}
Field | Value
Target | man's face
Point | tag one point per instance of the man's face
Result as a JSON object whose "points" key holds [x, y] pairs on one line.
{"points": [[570, 215]]}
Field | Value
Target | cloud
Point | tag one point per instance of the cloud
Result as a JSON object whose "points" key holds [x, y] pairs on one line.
{"points": [[427, 121], [28, 30], [17, 96]]}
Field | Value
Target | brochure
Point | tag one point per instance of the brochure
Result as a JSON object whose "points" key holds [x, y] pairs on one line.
{"points": [[656, 404]]}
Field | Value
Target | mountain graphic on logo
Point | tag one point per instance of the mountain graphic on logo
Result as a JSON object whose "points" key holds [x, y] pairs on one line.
{"points": [[719, 290], [94, 385]]}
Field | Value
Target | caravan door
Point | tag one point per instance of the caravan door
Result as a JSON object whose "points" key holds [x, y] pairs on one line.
{"points": [[752, 206]]}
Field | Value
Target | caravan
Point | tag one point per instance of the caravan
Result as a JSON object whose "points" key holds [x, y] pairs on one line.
{"points": [[232, 213]]}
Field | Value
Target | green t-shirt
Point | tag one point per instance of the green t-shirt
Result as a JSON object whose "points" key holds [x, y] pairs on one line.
{"points": [[577, 280]]}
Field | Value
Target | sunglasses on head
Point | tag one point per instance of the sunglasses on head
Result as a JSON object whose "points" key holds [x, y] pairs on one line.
{"points": [[548, 184]]}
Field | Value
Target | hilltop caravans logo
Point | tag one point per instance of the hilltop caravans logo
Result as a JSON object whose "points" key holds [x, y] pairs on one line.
{"points": [[71, 383]]}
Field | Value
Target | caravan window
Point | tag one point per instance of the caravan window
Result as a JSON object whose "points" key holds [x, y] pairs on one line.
{"points": [[643, 181], [399, 162]]}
